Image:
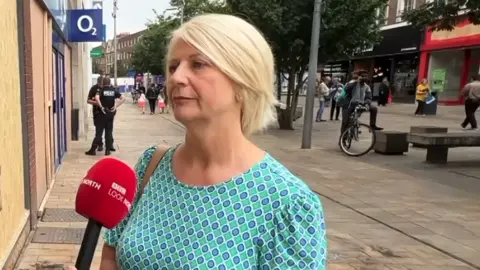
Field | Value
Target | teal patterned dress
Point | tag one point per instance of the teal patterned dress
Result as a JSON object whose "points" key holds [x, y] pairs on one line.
{"points": [[264, 218]]}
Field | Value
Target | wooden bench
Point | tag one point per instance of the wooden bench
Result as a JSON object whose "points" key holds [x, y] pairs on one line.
{"points": [[391, 142], [438, 144], [426, 130]]}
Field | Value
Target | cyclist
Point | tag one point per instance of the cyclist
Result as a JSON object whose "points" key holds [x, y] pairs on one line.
{"points": [[357, 92]]}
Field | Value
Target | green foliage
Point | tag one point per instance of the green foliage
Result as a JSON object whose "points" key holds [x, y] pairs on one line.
{"points": [[192, 8], [122, 68], [443, 15], [148, 54], [347, 26], [96, 68]]}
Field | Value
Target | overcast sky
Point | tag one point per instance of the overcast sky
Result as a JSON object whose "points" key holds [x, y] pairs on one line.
{"points": [[132, 15]]}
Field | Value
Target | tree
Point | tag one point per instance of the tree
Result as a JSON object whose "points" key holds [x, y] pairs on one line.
{"points": [[148, 54], [96, 68], [193, 8], [287, 25], [443, 14], [122, 68]]}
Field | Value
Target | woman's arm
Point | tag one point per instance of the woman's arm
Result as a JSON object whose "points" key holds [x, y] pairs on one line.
{"points": [[108, 261]]}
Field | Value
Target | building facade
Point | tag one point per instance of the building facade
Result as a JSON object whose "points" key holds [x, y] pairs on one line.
{"points": [[125, 44], [44, 81], [14, 182], [396, 57], [449, 59]]}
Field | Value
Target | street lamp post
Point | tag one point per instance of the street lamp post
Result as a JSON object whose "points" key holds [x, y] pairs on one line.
{"points": [[182, 9], [312, 77], [115, 68], [182, 12]]}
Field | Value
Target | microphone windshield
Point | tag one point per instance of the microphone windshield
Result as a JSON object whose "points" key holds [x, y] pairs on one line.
{"points": [[106, 193]]}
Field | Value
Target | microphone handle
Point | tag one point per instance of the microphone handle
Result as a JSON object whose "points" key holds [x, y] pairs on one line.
{"points": [[89, 244]]}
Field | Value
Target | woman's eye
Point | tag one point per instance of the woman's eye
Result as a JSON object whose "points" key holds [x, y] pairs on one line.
{"points": [[172, 68], [198, 65]]}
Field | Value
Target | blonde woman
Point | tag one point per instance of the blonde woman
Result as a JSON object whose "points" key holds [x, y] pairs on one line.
{"points": [[217, 201]]}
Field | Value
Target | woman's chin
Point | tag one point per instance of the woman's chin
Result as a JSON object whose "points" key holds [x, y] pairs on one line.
{"points": [[185, 115]]}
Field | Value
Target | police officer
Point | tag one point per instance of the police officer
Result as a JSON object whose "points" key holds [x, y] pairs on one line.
{"points": [[107, 100], [96, 113]]}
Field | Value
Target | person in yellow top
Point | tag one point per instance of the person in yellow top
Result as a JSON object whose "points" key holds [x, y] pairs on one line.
{"points": [[421, 95]]}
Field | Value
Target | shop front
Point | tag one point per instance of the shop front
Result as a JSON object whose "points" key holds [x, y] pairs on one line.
{"points": [[337, 70], [449, 59], [396, 58]]}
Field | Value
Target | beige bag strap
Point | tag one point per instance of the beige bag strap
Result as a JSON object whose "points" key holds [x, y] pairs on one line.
{"points": [[157, 157]]}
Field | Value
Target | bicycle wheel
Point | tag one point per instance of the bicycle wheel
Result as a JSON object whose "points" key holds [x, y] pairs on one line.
{"points": [[357, 140]]}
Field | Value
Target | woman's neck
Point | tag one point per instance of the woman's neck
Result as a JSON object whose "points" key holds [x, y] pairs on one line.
{"points": [[216, 145]]}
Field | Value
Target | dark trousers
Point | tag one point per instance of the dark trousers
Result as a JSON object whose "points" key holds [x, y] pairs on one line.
{"points": [[420, 107], [105, 123], [334, 109], [471, 107], [347, 112], [383, 98], [152, 103], [98, 126]]}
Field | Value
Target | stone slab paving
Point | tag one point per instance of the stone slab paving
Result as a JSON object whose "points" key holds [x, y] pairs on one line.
{"points": [[444, 217], [376, 218]]}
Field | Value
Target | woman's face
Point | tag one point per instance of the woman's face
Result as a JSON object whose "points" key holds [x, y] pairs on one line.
{"points": [[424, 81], [198, 90]]}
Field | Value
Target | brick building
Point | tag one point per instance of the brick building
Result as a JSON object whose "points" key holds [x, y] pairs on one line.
{"points": [[125, 44]]}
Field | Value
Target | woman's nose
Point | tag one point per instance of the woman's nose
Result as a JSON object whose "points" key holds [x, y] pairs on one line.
{"points": [[180, 75]]}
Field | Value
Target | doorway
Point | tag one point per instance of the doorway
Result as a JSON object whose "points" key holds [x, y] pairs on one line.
{"points": [[59, 113]]}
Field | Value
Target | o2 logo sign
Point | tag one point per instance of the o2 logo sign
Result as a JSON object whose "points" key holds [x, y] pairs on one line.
{"points": [[89, 28], [85, 25]]}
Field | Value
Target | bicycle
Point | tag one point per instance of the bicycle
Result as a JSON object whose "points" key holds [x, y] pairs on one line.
{"points": [[353, 132]]}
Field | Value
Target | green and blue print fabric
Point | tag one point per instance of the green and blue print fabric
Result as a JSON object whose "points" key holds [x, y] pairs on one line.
{"points": [[265, 218]]}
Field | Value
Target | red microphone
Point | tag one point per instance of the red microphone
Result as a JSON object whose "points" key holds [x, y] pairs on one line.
{"points": [[105, 197]]}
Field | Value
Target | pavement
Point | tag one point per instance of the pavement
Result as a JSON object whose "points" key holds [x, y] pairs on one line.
{"points": [[382, 212]]}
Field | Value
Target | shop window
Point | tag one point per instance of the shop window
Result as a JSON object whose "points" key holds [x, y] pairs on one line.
{"points": [[405, 78], [445, 73], [404, 6], [474, 68]]}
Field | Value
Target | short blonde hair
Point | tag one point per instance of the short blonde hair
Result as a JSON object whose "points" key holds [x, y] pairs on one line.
{"points": [[239, 51]]}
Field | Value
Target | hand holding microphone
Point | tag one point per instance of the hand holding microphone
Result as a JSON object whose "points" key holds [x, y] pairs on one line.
{"points": [[105, 197]]}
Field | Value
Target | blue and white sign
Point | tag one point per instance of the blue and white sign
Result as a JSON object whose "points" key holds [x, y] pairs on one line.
{"points": [[85, 25]]}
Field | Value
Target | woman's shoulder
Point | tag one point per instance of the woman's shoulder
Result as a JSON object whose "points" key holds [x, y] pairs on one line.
{"points": [[146, 157], [291, 188]]}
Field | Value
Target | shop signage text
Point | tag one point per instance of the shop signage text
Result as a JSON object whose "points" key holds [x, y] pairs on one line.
{"points": [[86, 25], [465, 34], [398, 40]]}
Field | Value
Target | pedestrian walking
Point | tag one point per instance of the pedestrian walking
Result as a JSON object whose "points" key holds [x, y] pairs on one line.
{"points": [[106, 98], [322, 92], [335, 91], [471, 92], [383, 92], [152, 96], [421, 95], [142, 100]]}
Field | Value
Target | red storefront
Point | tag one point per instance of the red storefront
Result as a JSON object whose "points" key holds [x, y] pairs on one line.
{"points": [[449, 59]]}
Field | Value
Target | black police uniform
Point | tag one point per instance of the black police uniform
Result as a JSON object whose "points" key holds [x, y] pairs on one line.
{"points": [[96, 111], [108, 96]]}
